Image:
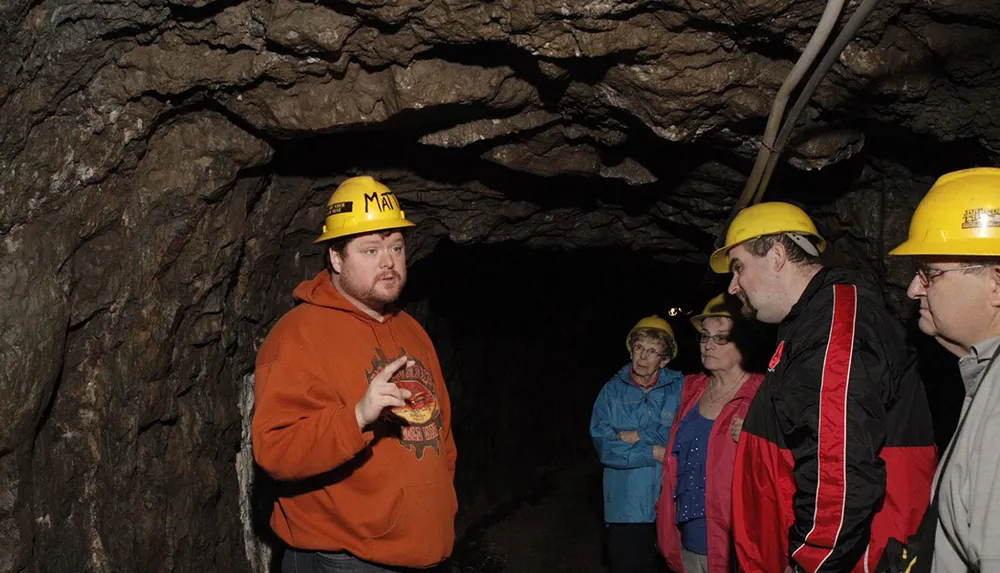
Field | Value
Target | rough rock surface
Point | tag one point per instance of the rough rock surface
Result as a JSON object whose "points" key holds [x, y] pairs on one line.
{"points": [[163, 164]]}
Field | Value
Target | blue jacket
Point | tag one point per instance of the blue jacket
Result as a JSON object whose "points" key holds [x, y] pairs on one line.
{"points": [[631, 475]]}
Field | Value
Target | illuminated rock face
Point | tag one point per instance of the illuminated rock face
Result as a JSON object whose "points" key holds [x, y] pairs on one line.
{"points": [[163, 167]]}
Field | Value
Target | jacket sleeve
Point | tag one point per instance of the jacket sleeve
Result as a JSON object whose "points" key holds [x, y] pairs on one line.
{"points": [[613, 452], [834, 424], [299, 428], [985, 517], [658, 434]]}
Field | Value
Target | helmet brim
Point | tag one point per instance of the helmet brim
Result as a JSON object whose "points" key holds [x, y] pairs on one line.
{"points": [[719, 262], [366, 227], [700, 318], [972, 247]]}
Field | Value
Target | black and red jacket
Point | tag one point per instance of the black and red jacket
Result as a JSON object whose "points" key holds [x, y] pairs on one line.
{"points": [[837, 453]]}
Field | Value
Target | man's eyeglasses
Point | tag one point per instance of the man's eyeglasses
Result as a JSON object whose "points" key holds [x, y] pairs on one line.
{"points": [[718, 339], [644, 352], [927, 274]]}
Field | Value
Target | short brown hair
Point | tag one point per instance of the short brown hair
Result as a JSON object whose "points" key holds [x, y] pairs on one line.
{"points": [[760, 246], [340, 245]]}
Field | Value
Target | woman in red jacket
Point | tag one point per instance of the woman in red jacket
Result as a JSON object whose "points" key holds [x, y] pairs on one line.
{"points": [[694, 512]]}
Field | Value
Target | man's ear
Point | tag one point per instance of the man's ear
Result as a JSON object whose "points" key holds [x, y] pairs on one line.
{"points": [[336, 262], [777, 256], [994, 285]]}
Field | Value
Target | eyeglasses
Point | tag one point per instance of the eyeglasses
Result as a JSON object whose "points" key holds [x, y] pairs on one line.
{"points": [[644, 352], [718, 339], [927, 274]]}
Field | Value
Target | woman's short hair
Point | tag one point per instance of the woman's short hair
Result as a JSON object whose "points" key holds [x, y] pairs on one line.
{"points": [[661, 336]]}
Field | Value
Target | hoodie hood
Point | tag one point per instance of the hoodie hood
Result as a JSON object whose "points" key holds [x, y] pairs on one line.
{"points": [[319, 291]]}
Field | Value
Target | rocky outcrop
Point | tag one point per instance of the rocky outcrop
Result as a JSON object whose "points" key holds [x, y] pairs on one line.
{"points": [[163, 164]]}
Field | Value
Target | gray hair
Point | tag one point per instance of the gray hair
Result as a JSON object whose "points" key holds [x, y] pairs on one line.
{"points": [[661, 336]]}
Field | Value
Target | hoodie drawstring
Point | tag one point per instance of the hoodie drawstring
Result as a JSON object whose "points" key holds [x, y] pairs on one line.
{"points": [[390, 354]]}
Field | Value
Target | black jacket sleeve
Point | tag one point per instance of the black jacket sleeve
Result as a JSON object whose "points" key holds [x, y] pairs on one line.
{"points": [[834, 424]]}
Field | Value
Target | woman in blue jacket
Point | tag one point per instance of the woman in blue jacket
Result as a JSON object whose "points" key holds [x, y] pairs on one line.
{"points": [[630, 426]]}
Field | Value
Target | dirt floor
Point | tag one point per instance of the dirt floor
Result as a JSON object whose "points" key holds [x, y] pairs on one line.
{"points": [[559, 529]]}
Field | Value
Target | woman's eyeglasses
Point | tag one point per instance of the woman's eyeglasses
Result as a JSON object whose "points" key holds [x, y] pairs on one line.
{"points": [[718, 339], [644, 352]]}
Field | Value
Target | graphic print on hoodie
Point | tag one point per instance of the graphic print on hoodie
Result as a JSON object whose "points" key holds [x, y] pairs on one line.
{"points": [[420, 419]]}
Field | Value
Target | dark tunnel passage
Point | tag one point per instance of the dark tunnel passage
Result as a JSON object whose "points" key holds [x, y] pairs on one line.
{"points": [[526, 338], [165, 167], [529, 320]]}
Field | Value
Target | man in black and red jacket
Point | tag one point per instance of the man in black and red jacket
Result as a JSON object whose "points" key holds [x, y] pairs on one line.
{"points": [[837, 452]]}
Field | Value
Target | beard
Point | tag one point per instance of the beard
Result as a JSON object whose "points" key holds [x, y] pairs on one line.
{"points": [[748, 310], [376, 293]]}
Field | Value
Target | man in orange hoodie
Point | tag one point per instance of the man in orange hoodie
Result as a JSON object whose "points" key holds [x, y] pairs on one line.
{"points": [[352, 416]]}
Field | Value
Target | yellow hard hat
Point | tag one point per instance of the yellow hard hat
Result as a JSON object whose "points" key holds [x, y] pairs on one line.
{"points": [[361, 205], [765, 219], [657, 323], [715, 307], [960, 215]]}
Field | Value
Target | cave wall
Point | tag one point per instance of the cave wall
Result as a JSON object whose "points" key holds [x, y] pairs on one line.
{"points": [[162, 166]]}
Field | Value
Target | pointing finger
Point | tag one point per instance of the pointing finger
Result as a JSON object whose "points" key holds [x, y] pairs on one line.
{"points": [[397, 364]]}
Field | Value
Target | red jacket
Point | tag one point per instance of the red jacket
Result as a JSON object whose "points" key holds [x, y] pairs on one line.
{"points": [[837, 453], [718, 475]]}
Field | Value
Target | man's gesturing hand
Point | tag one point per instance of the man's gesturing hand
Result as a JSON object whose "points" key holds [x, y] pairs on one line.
{"points": [[382, 393]]}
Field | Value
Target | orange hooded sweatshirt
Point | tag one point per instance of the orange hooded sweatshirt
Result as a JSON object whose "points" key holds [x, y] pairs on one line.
{"points": [[385, 495]]}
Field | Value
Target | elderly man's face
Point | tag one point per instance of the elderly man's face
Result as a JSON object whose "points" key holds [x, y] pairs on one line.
{"points": [[956, 299], [648, 355]]}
